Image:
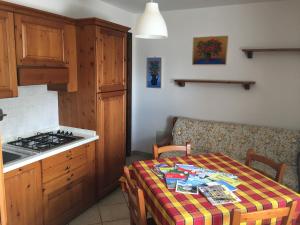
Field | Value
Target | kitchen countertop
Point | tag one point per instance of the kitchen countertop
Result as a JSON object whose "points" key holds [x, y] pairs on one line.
{"points": [[88, 136]]}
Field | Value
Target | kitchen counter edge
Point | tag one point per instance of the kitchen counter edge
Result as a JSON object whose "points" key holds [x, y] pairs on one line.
{"points": [[40, 156]]}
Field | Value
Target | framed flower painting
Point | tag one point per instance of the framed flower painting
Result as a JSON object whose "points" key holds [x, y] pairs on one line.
{"points": [[210, 50], [154, 72]]}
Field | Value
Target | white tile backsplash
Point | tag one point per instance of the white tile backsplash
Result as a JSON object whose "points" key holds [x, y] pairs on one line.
{"points": [[35, 109]]}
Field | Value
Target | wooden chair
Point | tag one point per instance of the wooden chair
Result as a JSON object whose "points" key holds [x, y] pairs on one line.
{"points": [[286, 214], [278, 167], [136, 200], [171, 148]]}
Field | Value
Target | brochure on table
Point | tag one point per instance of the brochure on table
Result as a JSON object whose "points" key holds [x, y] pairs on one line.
{"points": [[216, 186]]}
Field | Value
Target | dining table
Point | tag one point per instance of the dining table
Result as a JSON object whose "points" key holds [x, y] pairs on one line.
{"points": [[168, 207]]}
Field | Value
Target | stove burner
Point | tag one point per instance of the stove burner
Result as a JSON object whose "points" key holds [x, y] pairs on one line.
{"points": [[45, 141]]}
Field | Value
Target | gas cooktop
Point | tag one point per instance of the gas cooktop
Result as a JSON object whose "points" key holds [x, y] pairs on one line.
{"points": [[44, 141]]}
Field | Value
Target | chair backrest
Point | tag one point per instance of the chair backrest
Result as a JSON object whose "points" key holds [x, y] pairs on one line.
{"points": [[286, 214], [136, 201], [278, 167], [171, 148]]}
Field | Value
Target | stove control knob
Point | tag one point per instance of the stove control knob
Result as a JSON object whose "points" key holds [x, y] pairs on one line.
{"points": [[71, 133], [58, 132], [67, 133]]}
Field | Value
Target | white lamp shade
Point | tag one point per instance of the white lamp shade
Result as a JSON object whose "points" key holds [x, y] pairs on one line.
{"points": [[151, 25]]}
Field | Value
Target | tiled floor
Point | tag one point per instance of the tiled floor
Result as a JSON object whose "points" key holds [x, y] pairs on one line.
{"points": [[111, 210]]}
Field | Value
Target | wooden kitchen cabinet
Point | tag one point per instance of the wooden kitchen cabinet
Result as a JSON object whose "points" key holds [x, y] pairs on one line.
{"points": [[99, 104], [23, 188], [39, 41], [111, 60], [111, 110], [45, 44], [68, 184], [8, 67]]}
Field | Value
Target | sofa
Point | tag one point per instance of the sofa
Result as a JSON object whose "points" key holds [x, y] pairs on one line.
{"points": [[232, 139]]}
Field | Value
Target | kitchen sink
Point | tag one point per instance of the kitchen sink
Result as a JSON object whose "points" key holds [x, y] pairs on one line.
{"points": [[9, 157]]}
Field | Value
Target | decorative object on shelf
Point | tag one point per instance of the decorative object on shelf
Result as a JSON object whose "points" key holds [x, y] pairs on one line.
{"points": [[151, 25], [210, 50], [154, 72], [246, 84], [249, 51]]}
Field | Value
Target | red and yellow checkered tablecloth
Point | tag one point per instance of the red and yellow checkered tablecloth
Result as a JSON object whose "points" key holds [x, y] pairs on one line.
{"points": [[168, 207]]}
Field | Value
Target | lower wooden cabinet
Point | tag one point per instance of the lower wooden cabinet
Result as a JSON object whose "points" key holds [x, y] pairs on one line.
{"points": [[52, 191], [68, 184], [23, 189]]}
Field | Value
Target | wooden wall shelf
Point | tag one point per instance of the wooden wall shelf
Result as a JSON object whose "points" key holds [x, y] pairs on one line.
{"points": [[245, 84], [249, 51]]}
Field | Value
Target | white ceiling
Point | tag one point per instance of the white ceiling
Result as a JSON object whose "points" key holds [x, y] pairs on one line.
{"points": [[137, 6]]}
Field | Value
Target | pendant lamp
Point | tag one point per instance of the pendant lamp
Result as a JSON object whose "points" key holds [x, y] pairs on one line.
{"points": [[151, 25]]}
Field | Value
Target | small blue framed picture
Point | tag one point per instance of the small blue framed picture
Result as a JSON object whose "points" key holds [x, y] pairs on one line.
{"points": [[154, 72]]}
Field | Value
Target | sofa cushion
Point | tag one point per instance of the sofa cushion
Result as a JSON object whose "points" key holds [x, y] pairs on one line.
{"points": [[232, 139]]}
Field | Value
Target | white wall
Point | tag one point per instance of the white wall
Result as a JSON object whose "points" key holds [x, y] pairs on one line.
{"points": [[36, 108], [273, 101], [81, 9]]}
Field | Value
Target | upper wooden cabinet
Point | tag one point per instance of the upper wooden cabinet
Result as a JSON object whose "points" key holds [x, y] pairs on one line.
{"points": [[111, 60], [8, 67], [39, 42], [43, 44]]}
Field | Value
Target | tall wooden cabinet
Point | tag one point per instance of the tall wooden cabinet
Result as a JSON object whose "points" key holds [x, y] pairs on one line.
{"points": [[8, 66], [100, 102], [111, 109]]}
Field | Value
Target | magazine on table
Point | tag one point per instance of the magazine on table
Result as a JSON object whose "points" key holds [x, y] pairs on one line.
{"points": [[161, 169], [173, 176], [204, 172], [218, 194], [228, 180], [186, 187]]}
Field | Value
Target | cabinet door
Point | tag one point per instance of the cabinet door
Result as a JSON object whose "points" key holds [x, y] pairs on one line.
{"points": [[61, 205], [110, 151], [24, 195], [68, 184], [111, 60], [8, 67], [39, 41]]}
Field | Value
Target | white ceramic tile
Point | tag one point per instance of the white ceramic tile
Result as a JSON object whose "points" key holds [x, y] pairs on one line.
{"points": [[116, 197], [114, 212], [34, 109], [89, 217]]}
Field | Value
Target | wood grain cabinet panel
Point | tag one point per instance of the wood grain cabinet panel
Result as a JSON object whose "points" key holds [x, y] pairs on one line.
{"points": [[111, 150], [24, 195], [111, 60], [68, 184], [42, 43], [8, 67], [39, 42]]}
